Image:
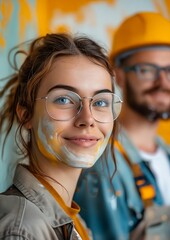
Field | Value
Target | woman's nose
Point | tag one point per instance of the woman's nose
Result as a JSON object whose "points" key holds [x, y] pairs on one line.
{"points": [[85, 118]]}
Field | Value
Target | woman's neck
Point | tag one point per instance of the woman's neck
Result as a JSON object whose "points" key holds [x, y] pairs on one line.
{"points": [[61, 177], [64, 181]]}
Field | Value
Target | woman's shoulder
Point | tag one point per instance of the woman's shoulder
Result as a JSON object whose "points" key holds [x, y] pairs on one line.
{"points": [[15, 210], [21, 217]]}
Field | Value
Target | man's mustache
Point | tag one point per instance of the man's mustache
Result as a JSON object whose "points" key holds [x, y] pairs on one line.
{"points": [[157, 89]]}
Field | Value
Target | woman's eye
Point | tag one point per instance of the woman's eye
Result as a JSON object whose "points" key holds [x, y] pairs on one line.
{"points": [[100, 103], [63, 100]]}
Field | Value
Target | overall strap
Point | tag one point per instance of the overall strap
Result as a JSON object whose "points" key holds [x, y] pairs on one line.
{"points": [[146, 190]]}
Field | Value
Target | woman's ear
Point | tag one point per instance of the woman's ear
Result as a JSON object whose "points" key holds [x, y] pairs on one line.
{"points": [[120, 77], [21, 114]]}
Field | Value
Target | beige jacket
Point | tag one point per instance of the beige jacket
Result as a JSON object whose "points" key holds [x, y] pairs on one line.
{"points": [[32, 213]]}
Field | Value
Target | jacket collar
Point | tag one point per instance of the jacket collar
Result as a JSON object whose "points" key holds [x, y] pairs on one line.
{"points": [[35, 192]]}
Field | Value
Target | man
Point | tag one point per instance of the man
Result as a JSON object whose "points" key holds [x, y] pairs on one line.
{"points": [[116, 208]]}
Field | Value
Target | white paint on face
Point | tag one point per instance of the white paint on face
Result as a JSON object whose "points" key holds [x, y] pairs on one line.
{"points": [[43, 143], [52, 147], [85, 160]]}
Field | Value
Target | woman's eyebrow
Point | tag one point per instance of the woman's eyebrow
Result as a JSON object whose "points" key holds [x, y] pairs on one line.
{"points": [[103, 91], [76, 90], [62, 86]]}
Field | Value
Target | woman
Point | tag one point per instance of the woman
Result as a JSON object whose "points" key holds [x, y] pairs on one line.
{"points": [[63, 97]]}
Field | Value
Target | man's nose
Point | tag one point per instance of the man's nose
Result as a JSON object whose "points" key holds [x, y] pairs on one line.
{"points": [[163, 78]]}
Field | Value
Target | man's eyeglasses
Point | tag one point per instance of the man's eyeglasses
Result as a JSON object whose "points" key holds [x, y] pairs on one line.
{"points": [[147, 71], [63, 105]]}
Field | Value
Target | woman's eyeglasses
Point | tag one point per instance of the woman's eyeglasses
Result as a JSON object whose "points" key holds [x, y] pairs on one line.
{"points": [[63, 105]]}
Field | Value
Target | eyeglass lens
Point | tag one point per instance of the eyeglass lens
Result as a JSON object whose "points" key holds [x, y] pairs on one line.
{"points": [[151, 72], [63, 105]]}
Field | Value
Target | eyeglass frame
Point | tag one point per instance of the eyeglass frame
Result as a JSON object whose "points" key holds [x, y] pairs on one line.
{"points": [[136, 68], [81, 104]]}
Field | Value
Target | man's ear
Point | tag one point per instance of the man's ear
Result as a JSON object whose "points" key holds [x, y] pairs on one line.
{"points": [[21, 114], [120, 77]]}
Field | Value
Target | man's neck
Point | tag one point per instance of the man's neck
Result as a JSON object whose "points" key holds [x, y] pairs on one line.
{"points": [[141, 131]]}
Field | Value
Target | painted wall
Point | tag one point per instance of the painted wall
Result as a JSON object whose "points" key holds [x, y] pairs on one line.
{"points": [[21, 20]]}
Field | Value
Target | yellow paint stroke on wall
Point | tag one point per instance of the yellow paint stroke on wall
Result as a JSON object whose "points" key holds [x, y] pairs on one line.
{"points": [[44, 15], [24, 16], [62, 29], [2, 41], [80, 16], [6, 8], [110, 32], [167, 5], [161, 6], [46, 10], [72, 6], [158, 6]]}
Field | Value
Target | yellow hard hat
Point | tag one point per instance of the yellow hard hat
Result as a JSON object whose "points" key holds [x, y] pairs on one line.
{"points": [[140, 30]]}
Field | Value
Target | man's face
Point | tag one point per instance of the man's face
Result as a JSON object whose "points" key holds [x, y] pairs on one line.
{"points": [[147, 96]]}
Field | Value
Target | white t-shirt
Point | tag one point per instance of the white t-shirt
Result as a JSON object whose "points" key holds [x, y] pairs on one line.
{"points": [[160, 166]]}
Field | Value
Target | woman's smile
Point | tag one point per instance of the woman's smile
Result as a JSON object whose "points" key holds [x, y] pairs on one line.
{"points": [[83, 141]]}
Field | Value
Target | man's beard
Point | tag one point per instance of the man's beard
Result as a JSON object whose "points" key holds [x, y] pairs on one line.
{"points": [[148, 112]]}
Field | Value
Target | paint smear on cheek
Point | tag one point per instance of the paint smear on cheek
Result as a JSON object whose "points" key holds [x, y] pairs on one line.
{"points": [[51, 147], [86, 158], [47, 139], [103, 145]]}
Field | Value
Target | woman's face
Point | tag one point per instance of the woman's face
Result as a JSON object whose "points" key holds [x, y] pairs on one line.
{"points": [[79, 141]]}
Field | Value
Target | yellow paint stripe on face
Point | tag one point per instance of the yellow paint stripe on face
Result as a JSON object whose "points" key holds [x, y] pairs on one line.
{"points": [[44, 151]]}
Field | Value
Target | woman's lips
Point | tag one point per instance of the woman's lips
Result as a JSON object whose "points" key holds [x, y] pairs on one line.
{"points": [[83, 141]]}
